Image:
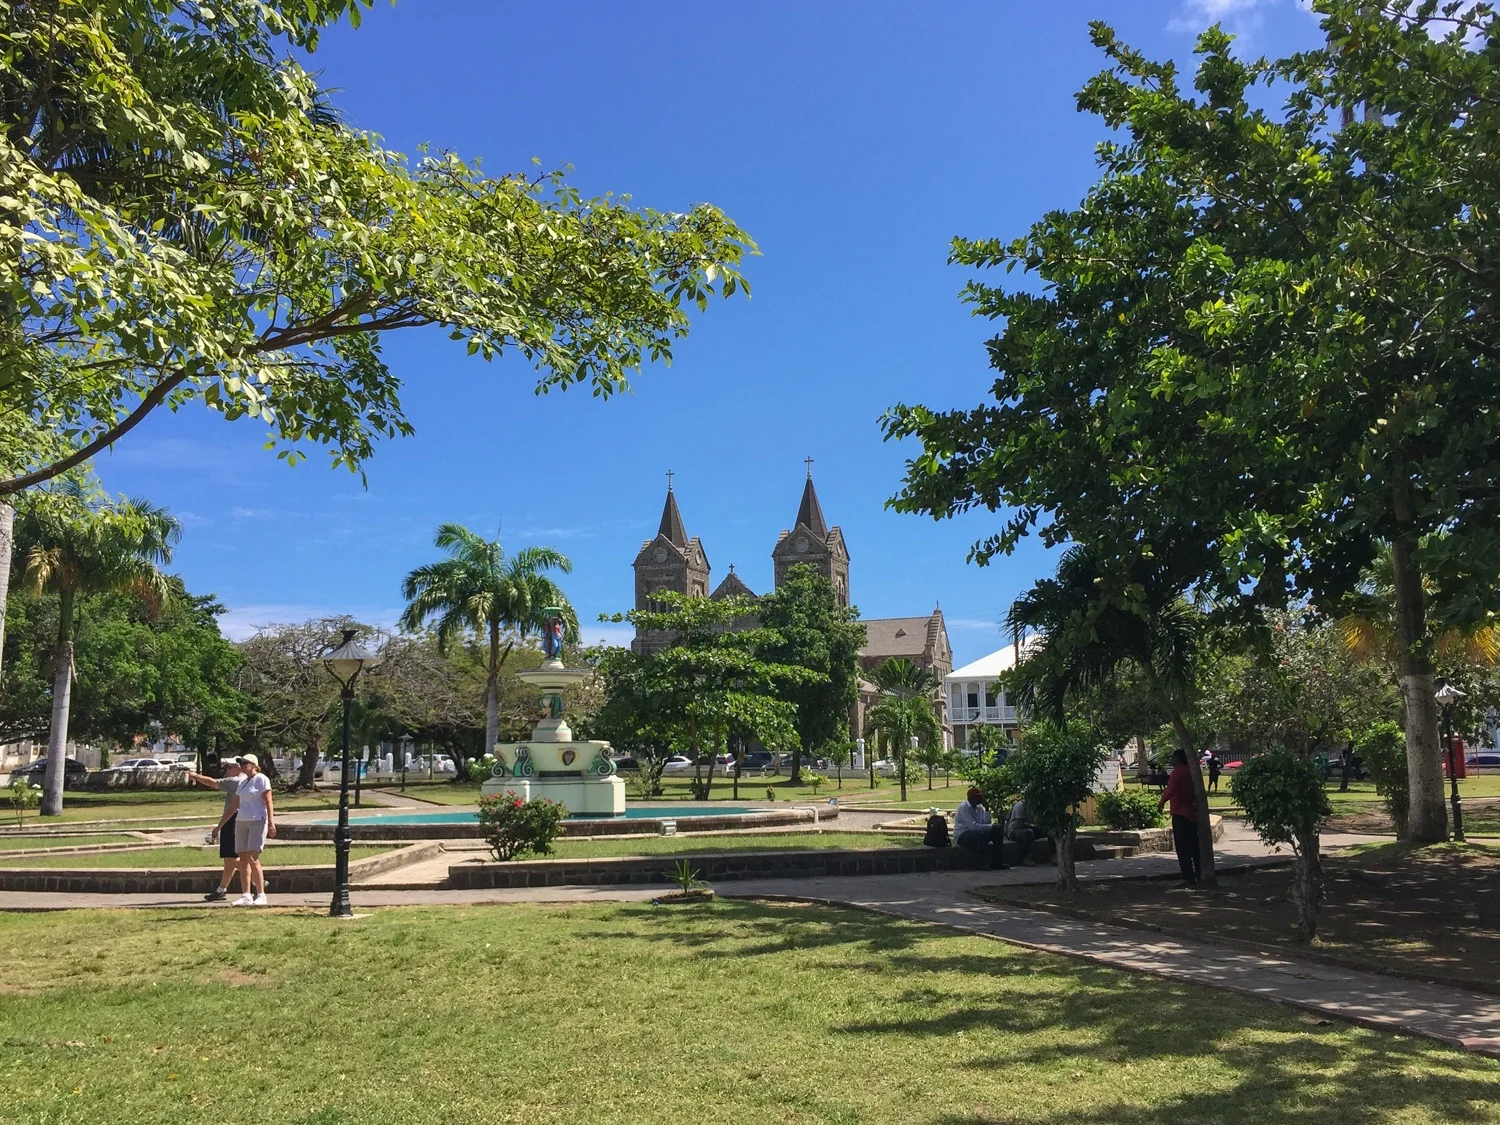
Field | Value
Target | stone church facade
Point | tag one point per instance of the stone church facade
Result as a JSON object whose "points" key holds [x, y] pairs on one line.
{"points": [[675, 561]]}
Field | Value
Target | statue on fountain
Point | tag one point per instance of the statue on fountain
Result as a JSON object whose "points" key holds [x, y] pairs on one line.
{"points": [[552, 636]]}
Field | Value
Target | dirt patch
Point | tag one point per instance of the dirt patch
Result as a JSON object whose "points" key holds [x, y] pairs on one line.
{"points": [[236, 979], [1432, 914]]}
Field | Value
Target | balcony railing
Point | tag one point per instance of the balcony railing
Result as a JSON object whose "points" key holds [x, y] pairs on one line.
{"points": [[984, 715]]}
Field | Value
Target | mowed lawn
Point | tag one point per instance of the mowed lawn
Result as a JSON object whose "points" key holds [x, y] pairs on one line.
{"points": [[626, 1013]]}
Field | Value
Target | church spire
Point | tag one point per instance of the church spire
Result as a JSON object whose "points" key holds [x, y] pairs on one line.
{"points": [[671, 519], [810, 513]]}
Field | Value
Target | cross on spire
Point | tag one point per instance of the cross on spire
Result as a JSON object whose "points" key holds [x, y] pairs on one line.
{"points": [[670, 475], [809, 468]]}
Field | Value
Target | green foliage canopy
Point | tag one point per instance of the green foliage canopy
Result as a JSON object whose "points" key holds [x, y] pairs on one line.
{"points": [[184, 217]]}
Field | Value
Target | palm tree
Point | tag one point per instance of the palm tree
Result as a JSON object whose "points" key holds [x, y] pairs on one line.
{"points": [[479, 588], [905, 711], [1096, 623], [79, 547]]}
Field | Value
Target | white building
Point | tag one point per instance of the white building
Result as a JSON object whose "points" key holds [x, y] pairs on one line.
{"points": [[974, 698]]}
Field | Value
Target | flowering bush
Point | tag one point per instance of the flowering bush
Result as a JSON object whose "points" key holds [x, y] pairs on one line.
{"points": [[513, 827]]}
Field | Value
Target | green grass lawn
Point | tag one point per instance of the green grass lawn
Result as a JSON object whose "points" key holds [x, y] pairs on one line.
{"points": [[277, 855], [438, 792], [626, 1013], [20, 843], [665, 845]]}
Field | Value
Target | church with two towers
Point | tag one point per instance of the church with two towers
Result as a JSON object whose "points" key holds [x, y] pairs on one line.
{"points": [[675, 561]]}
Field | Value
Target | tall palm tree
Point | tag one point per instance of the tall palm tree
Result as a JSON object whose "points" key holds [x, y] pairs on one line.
{"points": [[906, 710], [80, 547], [479, 589], [1096, 622]]}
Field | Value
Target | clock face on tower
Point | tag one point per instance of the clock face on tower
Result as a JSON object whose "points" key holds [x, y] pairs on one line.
{"points": [[801, 544], [660, 554]]}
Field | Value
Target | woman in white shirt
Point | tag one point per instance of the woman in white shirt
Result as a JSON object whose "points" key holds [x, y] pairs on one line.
{"points": [[254, 823]]}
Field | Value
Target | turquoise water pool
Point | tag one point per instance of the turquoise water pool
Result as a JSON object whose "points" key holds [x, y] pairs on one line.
{"points": [[656, 812]]}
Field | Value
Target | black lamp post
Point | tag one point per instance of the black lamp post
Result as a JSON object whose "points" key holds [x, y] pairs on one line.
{"points": [[1448, 697], [344, 664]]}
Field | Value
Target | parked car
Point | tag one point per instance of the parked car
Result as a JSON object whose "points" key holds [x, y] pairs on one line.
{"points": [[678, 765], [758, 761], [153, 764], [886, 768], [1483, 758], [627, 764], [74, 772]]}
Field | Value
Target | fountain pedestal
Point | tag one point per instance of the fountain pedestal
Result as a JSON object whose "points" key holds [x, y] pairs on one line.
{"points": [[578, 775]]}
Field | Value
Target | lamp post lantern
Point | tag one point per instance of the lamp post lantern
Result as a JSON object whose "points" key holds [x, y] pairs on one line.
{"points": [[1449, 697], [344, 665]]}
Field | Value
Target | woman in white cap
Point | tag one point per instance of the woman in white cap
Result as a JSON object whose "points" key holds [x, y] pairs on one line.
{"points": [[254, 824]]}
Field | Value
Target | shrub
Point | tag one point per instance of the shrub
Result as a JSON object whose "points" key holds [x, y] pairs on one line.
{"points": [[1055, 769], [513, 827], [1383, 748], [21, 796], [814, 781], [480, 769], [1284, 801], [1129, 810]]}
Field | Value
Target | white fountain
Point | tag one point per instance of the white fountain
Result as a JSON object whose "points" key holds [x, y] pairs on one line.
{"points": [[578, 775]]}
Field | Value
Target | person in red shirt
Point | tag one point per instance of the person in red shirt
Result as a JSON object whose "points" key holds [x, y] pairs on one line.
{"points": [[1178, 795]]}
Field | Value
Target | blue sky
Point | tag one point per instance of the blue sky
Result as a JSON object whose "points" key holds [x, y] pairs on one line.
{"points": [[852, 140]]}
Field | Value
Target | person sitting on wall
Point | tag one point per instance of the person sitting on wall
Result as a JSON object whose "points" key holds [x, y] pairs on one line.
{"points": [[975, 831], [1020, 830]]}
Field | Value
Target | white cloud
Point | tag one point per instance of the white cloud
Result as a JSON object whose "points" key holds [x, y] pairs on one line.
{"points": [[1239, 17], [192, 519], [250, 513], [606, 633]]}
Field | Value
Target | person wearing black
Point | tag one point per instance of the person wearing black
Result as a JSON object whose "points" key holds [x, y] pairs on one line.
{"points": [[1179, 796], [1214, 768]]}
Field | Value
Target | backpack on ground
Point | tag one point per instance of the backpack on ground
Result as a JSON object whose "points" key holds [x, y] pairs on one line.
{"points": [[937, 831]]}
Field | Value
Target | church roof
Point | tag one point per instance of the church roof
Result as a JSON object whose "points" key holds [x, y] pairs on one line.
{"points": [[900, 636], [732, 586], [671, 522], [810, 512]]}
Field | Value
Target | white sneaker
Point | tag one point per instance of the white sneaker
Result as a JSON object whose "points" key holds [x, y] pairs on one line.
{"points": [[260, 900], [243, 900]]}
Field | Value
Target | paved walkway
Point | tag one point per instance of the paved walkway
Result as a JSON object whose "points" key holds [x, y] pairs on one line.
{"points": [[1450, 1015]]}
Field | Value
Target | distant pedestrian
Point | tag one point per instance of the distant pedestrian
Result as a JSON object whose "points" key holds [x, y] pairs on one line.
{"points": [[975, 831], [1215, 766], [1178, 794], [255, 823], [223, 832]]}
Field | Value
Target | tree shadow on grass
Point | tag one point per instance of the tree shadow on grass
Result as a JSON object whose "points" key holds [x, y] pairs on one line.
{"points": [[1287, 1066], [736, 929]]}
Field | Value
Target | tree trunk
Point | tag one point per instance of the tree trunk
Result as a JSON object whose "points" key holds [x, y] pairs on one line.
{"points": [[1426, 818], [309, 772], [492, 691], [1207, 877], [62, 698], [7, 546], [1141, 768], [1307, 886], [1067, 876]]}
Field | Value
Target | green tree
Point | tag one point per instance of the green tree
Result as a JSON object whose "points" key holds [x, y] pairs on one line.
{"points": [[987, 742], [81, 546], [1097, 623], [1283, 798], [711, 680], [479, 588], [820, 635], [185, 217], [905, 711], [1266, 330], [1054, 767]]}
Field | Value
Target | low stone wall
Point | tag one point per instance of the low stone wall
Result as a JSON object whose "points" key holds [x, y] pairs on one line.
{"points": [[373, 830], [138, 779], [1144, 840], [306, 879], [723, 866]]}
